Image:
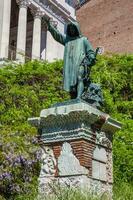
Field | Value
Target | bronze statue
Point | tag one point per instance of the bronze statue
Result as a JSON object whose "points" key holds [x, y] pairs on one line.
{"points": [[79, 56]]}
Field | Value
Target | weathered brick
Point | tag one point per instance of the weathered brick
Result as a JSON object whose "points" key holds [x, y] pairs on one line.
{"points": [[108, 23], [82, 149]]}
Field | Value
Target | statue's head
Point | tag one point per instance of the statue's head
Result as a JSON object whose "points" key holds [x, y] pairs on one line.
{"points": [[73, 29]]}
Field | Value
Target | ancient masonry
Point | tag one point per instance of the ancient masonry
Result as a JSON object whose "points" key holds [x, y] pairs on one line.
{"points": [[108, 23], [76, 142]]}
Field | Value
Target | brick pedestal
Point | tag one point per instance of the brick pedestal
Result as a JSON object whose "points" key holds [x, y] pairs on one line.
{"points": [[76, 142]]}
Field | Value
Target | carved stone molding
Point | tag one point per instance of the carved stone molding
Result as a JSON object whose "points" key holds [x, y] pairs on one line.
{"points": [[49, 8], [62, 7], [74, 120], [37, 13], [23, 3], [79, 133]]}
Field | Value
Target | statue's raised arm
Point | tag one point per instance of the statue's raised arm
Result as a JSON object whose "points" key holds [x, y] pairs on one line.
{"points": [[54, 32]]}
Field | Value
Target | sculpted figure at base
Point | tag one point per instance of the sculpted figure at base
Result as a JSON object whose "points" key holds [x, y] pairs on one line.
{"points": [[79, 56]]}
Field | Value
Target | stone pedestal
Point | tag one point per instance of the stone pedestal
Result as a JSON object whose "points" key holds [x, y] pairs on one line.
{"points": [[76, 142]]}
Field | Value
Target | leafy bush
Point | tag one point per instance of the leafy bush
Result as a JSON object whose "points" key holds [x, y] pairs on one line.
{"points": [[115, 74], [26, 89], [123, 191]]}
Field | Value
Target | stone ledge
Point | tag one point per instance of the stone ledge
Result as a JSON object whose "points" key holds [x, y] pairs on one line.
{"points": [[71, 112]]}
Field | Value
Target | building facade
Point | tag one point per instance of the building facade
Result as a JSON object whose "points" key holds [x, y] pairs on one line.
{"points": [[23, 35], [107, 23]]}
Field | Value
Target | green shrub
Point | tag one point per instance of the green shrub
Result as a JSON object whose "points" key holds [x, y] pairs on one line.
{"points": [[25, 90], [123, 191], [115, 74]]}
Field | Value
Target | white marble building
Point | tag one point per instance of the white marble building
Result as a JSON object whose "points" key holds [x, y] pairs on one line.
{"points": [[22, 34]]}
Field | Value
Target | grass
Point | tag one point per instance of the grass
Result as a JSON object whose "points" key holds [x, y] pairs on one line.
{"points": [[122, 191]]}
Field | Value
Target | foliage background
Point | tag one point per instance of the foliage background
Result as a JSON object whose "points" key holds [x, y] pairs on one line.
{"points": [[26, 89]]}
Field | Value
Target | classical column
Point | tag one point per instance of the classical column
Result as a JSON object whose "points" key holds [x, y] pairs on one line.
{"points": [[5, 12], [36, 42], [22, 25]]}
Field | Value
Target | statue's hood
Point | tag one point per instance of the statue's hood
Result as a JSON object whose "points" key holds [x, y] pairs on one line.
{"points": [[74, 25]]}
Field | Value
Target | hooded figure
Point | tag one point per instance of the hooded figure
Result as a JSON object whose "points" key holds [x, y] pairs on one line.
{"points": [[77, 49]]}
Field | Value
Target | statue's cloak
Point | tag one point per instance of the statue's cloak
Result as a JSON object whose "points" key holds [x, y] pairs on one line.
{"points": [[76, 49]]}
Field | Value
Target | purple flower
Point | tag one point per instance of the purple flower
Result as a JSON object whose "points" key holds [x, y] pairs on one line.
{"points": [[34, 161], [17, 161], [14, 188], [9, 158], [22, 160], [6, 176], [29, 162]]}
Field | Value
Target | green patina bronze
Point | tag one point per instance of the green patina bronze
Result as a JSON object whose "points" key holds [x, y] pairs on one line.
{"points": [[79, 56], [77, 47]]}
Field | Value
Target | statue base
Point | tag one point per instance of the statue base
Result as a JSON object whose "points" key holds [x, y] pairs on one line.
{"points": [[76, 142]]}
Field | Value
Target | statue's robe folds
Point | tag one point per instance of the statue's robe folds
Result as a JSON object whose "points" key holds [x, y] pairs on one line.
{"points": [[76, 49]]}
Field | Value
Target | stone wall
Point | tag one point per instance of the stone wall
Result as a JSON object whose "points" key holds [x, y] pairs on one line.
{"points": [[108, 23]]}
